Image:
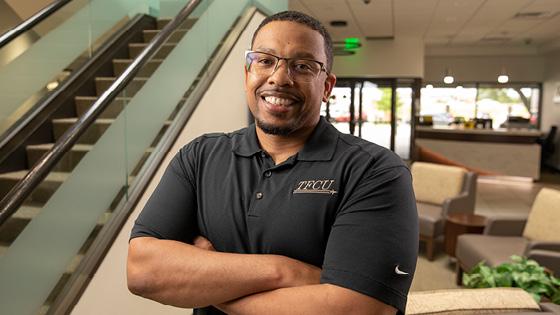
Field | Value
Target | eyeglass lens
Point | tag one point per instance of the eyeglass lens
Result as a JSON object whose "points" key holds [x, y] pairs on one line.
{"points": [[298, 69]]}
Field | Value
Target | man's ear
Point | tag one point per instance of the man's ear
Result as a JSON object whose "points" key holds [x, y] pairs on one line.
{"points": [[330, 81]]}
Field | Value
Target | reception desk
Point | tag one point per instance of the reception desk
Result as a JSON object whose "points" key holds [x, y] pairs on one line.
{"points": [[497, 152]]}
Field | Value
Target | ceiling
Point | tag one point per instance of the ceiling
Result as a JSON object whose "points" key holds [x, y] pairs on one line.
{"points": [[448, 23]]}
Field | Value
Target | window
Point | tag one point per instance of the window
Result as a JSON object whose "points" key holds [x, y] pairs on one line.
{"points": [[505, 106]]}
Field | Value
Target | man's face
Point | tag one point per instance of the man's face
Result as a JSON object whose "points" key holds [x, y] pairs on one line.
{"points": [[280, 105]]}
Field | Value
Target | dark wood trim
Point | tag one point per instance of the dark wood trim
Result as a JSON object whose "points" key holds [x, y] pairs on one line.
{"points": [[498, 137]]}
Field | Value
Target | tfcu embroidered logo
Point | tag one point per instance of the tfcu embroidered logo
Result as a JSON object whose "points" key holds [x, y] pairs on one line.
{"points": [[315, 187]]}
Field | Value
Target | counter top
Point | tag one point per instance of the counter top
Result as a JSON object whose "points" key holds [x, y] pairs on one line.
{"points": [[501, 135], [498, 131]]}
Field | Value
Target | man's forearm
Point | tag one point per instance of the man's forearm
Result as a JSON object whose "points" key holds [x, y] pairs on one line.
{"points": [[183, 275], [311, 299]]}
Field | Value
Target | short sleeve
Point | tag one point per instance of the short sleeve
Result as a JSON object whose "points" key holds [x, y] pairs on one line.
{"points": [[373, 245], [170, 212]]}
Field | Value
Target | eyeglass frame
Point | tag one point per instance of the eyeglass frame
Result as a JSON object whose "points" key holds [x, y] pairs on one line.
{"points": [[287, 61]]}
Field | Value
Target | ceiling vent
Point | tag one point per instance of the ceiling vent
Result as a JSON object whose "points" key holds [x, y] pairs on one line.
{"points": [[339, 23], [535, 15]]}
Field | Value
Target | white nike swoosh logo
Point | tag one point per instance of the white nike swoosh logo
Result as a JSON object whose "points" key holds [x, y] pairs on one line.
{"points": [[399, 272]]}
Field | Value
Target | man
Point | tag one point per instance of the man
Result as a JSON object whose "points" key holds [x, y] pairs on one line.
{"points": [[287, 216]]}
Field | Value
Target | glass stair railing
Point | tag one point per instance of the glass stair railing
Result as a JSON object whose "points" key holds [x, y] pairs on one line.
{"points": [[50, 236]]}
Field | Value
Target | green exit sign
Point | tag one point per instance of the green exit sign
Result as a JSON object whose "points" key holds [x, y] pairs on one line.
{"points": [[351, 43]]}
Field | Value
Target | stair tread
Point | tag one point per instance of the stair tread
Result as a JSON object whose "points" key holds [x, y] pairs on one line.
{"points": [[75, 119], [131, 60], [27, 212], [47, 146], [118, 98], [157, 31], [52, 176], [146, 44], [114, 78]]}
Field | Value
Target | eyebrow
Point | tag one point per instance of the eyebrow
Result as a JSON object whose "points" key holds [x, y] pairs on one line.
{"points": [[303, 55]]}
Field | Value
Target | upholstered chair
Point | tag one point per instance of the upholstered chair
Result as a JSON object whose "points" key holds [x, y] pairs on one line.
{"points": [[536, 237], [440, 190]]}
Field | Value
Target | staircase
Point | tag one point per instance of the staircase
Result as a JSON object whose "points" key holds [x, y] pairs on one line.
{"points": [[34, 203]]}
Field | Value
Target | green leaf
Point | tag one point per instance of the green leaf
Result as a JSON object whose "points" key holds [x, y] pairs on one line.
{"points": [[522, 273]]}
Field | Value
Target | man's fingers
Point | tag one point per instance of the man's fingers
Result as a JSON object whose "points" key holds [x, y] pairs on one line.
{"points": [[203, 243]]}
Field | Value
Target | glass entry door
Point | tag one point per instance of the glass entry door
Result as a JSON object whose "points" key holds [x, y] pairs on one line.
{"points": [[377, 110]]}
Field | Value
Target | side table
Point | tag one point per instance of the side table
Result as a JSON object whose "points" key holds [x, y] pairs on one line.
{"points": [[461, 223]]}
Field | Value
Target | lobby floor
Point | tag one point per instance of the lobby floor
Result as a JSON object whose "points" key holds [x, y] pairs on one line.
{"points": [[494, 197]]}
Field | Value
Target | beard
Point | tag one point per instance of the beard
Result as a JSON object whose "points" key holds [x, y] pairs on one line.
{"points": [[276, 129]]}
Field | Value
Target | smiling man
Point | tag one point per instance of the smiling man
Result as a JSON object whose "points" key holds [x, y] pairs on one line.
{"points": [[286, 216]]}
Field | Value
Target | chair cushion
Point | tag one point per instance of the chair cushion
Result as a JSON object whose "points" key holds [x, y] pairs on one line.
{"points": [[471, 301], [431, 222], [544, 218], [495, 250], [434, 183]]}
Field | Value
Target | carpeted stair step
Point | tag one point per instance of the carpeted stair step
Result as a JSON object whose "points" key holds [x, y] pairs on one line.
{"points": [[16, 223], [134, 50], [91, 136], [120, 65], [187, 25], [83, 103], [148, 35], [102, 84], [68, 161], [41, 194]]}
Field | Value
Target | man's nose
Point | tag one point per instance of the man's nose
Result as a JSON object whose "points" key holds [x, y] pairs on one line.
{"points": [[281, 75]]}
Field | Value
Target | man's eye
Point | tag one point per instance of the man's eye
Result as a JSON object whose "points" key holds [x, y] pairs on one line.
{"points": [[302, 66], [265, 61]]}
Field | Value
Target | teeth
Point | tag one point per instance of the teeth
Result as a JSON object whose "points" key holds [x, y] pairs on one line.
{"points": [[278, 101]]}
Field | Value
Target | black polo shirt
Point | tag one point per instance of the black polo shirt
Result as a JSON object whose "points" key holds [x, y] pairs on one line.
{"points": [[341, 203]]}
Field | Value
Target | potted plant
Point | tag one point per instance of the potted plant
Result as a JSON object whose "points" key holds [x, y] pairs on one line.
{"points": [[524, 273]]}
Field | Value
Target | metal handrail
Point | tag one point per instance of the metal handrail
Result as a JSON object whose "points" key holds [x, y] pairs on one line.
{"points": [[11, 202], [31, 22]]}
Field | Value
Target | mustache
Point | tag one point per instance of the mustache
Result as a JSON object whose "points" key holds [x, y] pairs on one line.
{"points": [[279, 91]]}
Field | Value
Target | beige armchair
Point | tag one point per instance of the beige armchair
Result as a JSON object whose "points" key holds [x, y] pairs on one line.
{"points": [[537, 237], [440, 190]]}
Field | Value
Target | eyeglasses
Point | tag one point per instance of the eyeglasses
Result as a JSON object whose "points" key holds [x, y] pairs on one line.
{"points": [[300, 70]]}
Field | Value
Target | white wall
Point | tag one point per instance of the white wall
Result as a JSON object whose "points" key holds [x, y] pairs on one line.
{"points": [[223, 108], [26, 9], [523, 68], [402, 57]]}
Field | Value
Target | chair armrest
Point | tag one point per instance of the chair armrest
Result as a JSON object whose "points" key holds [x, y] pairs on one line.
{"points": [[546, 245], [546, 258], [458, 204], [505, 226], [549, 307]]}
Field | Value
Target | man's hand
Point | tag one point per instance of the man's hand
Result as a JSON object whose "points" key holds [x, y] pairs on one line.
{"points": [[302, 274], [203, 243], [322, 299], [195, 276]]}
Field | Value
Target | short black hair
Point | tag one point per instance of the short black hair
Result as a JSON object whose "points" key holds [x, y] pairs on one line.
{"points": [[295, 16]]}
